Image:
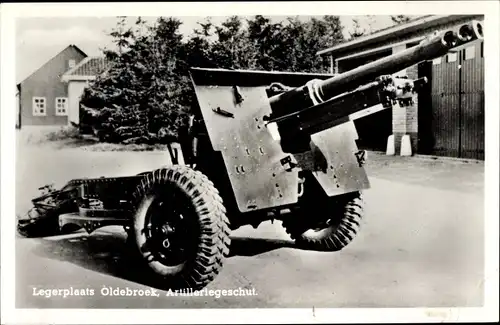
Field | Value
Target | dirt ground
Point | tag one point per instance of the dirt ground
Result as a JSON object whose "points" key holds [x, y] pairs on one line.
{"points": [[421, 244]]}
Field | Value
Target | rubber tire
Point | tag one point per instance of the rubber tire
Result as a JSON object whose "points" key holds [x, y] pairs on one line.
{"points": [[335, 237], [214, 242]]}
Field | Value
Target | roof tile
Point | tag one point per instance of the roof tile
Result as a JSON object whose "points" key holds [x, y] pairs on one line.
{"points": [[91, 67]]}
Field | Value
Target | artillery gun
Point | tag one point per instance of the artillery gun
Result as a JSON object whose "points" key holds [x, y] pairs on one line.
{"points": [[262, 146]]}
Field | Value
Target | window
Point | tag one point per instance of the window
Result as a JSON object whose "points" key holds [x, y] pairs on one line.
{"points": [[71, 63], [39, 107], [470, 52], [61, 106], [436, 61], [452, 57]]}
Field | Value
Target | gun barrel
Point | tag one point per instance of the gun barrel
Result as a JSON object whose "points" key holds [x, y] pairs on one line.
{"points": [[432, 47], [470, 31]]}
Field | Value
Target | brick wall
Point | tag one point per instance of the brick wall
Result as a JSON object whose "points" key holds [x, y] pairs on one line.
{"points": [[412, 111], [405, 119]]}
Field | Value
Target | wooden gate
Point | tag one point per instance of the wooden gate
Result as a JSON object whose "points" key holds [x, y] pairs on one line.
{"points": [[457, 97]]}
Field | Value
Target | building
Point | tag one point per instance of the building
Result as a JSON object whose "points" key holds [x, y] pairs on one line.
{"points": [[447, 118], [42, 96], [78, 78]]}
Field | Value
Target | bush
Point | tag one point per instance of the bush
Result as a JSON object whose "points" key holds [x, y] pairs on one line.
{"points": [[66, 132]]}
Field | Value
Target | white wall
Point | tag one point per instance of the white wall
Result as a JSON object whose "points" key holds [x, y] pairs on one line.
{"points": [[75, 91]]}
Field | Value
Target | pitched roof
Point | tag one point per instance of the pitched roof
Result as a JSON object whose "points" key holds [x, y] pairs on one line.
{"points": [[87, 69], [20, 80]]}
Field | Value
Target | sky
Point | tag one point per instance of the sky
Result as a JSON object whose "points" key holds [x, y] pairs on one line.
{"points": [[39, 39]]}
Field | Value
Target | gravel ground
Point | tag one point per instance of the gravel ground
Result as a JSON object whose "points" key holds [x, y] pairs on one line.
{"points": [[421, 243]]}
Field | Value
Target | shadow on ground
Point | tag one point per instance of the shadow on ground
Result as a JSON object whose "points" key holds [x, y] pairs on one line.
{"points": [[110, 254], [245, 246]]}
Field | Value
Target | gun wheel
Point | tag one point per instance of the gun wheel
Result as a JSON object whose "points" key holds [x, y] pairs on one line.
{"points": [[180, 227], [331, 232]]}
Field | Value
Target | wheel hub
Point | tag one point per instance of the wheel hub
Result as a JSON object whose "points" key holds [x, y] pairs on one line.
{"points": [[169, 229]]}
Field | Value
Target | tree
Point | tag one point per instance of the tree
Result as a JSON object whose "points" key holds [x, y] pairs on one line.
{"points": [[144, 96], [400, 19], [197, 52], [265, 38], [321, 34], [232, 50], [362, 25], [293, 44], [334, 32], [121, 34], [357, 30]]}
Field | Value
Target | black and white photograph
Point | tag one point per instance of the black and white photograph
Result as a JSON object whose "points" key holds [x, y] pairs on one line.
{"points": [[306, 158]]}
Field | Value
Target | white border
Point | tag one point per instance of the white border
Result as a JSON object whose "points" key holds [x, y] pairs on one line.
{"points": [[9, 12]]}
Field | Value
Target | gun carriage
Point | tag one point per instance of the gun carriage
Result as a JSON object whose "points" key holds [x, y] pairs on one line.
{"points": [[261, 146]]}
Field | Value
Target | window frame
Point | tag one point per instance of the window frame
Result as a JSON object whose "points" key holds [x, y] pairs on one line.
{"points": [[35, 109], [65, 106], [69, 63]]}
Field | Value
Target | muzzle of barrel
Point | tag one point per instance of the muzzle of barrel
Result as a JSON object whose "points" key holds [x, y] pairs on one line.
{"points": [[450, 38], [469, 32]]}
